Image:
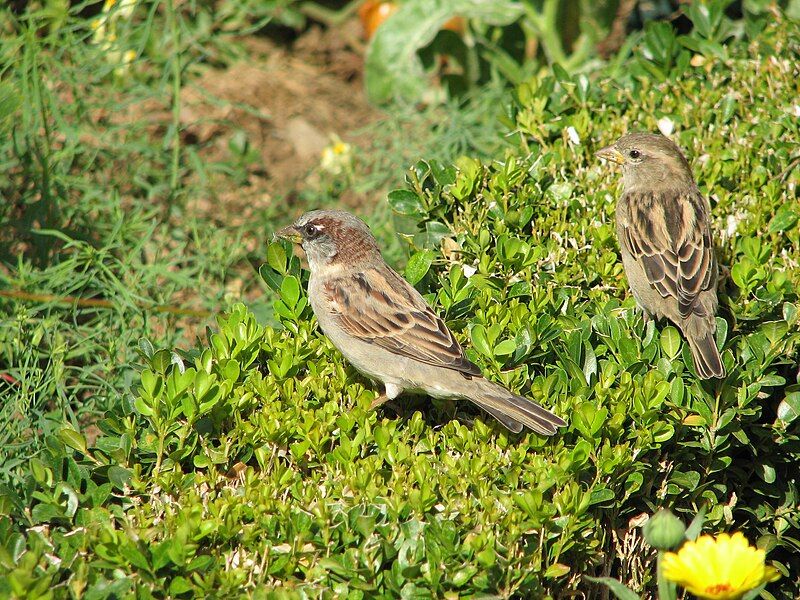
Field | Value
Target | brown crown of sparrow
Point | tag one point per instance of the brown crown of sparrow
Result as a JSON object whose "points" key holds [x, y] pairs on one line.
{"points": [[665, 240], [386, 330]]}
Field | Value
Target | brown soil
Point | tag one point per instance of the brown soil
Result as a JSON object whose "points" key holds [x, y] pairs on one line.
{"points": [[288, 102]]}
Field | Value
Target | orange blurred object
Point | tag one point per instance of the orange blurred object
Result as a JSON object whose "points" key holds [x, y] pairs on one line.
{"points": [[456, 24], [374, 12]]}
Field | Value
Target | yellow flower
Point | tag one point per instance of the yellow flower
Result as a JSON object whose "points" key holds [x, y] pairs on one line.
{"points": [[337, 157], [720, 569], [124, 7]]}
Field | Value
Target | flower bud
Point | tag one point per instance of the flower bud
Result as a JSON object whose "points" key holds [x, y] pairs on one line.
{"points": [[664, 531]]}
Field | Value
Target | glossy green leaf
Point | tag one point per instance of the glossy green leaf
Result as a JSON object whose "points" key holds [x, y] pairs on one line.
{"points": [[418, 266], [406, 203], [670, 341]]}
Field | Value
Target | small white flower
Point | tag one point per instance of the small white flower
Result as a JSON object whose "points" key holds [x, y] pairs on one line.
{"points": [[666, 126], [797, 110], [468, 270], [732, 225], [574, 138]]}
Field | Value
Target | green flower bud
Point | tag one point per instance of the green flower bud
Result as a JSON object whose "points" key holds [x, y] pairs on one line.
{"points": [[664, 531]]}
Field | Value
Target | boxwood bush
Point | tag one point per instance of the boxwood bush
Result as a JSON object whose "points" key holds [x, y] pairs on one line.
{"points": [[252, 465]]}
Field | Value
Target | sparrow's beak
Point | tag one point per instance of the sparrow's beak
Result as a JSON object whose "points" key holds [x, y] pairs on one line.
{"points": [[289, 233], [612, 154]]}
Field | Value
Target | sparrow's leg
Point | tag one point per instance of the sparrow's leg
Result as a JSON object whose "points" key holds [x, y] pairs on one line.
{"points": [[392, 392], [646, 316], [724, 275], [383, 398]]}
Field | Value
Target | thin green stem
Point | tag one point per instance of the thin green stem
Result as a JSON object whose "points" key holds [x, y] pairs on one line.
{"points": [[666, 589], [159, 456], [544, 26], [327, 16]]}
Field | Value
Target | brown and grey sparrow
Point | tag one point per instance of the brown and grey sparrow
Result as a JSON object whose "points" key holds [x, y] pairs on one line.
{"points": [[387, 331], [664, 234]]}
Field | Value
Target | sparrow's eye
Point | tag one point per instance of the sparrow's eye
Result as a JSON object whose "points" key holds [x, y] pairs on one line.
{"points": [[311, 231], [635, 154]]}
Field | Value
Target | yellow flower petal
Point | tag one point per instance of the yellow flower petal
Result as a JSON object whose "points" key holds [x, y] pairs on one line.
{"points": [[721, 568]]}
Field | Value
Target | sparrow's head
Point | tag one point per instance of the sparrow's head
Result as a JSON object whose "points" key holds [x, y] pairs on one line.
{"points": [[332, 237], [649, 161]]}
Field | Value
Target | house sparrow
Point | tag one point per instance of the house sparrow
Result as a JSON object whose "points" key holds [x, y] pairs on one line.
{"points": [[387, 331], [665, 239]]}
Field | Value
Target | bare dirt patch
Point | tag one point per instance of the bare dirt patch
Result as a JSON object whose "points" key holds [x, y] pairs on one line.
{"points": [[288, 102]]}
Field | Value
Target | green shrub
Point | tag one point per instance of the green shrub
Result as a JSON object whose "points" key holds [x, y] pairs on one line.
{"points": [[252, 464]]}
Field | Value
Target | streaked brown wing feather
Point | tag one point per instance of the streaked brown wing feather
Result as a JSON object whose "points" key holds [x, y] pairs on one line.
{"points": [[380, 307], [670, 236]]}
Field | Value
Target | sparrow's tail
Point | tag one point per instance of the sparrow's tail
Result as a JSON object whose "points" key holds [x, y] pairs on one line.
{"points": [[515, 411], [707, 360]]}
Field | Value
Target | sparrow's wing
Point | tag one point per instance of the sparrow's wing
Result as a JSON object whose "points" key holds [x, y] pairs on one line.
{"points": [[380, 307], [670, 236]]}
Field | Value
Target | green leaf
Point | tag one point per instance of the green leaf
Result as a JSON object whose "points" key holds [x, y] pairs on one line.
{"points": [[418, 266], [766, 472], [179, 585], [789, 408], [599, 496], [10, 100], [479, 340], [73, 439], [271, 277], [41, 474], [556, 570], [393, 69], [119, 476], [290, 290], [722, 332], [505, 348], [133, 555], [142, 407], [406, 202], [160, 361], [696, 526], [276, 257], [43, 513], [754, 593], [434, 233], [785, 218], [146, 347], [589, 362], [670, 341], [619, 590]]}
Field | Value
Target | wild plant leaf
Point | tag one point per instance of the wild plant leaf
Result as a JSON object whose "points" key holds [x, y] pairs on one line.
{"points": [[392, 68], [785, 218], [696, 526], [620, 591], [73, 439]]}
